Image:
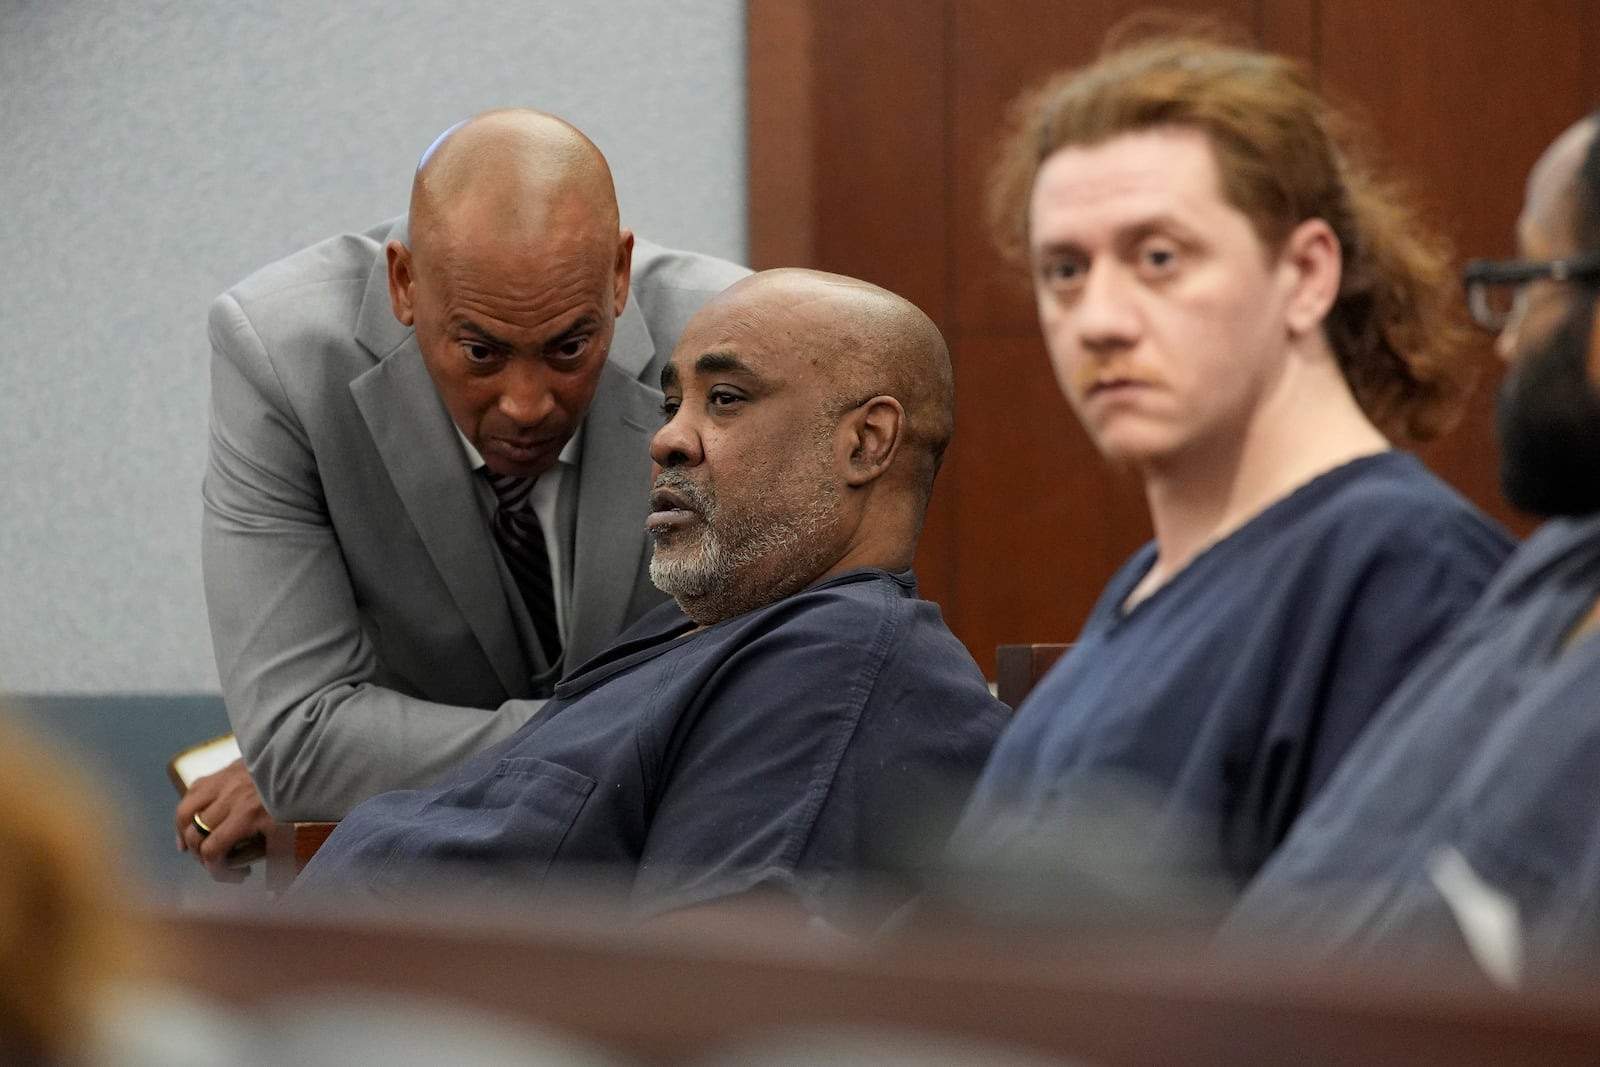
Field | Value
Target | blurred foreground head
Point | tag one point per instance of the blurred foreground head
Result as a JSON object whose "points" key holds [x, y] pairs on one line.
{"points": [[62, 932]]}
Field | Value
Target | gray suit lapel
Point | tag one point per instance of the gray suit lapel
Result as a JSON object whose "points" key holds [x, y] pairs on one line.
{"points": [[632, 347], [422, 454]]}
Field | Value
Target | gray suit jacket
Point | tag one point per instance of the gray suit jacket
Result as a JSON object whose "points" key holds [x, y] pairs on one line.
{"points": [[359, 609]]}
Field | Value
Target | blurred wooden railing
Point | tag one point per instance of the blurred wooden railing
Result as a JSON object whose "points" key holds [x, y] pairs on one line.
{"points": [[686, 988]]}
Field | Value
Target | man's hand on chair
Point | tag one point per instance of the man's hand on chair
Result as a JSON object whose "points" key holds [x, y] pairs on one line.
{"points": [[218, 812]]}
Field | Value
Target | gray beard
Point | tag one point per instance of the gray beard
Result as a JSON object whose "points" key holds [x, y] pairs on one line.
{"points": [[711, 580]]}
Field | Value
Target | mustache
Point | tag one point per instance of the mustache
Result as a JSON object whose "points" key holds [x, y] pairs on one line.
{"points": [[686, 489]]}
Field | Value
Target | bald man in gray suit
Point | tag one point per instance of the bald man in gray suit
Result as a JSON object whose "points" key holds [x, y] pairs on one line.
{"points": [[372, 397]]}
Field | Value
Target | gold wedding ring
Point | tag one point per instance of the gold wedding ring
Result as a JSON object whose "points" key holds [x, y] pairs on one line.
{"points": [[199, 824]]}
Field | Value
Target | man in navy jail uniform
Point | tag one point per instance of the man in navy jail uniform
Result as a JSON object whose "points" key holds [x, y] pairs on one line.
{"points": [[1239, 314], [763, 731], [1468, 819]]}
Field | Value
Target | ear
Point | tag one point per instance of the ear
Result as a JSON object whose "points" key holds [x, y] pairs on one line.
{"points": [[873, 437], [1311, 256], [402, 279], [623, 271]]}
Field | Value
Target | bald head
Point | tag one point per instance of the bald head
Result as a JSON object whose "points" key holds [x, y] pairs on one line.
{"points": [[1559, 203], [806, 417], [514, 261], [865, 341], [514, 174]]}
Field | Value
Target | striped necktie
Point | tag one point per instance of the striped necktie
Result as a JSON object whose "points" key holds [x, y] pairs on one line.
{"points": [[521, 540]]}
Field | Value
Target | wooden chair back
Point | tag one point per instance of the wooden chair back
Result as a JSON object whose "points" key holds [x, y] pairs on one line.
{"points": [[1018, 669]]}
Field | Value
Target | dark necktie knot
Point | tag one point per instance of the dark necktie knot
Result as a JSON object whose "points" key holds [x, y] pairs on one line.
{"points": [[521, 541], [512, 491]]}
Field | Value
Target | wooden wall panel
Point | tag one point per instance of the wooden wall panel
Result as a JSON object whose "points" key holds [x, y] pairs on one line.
{"points": [[1288, 26], [1043, 521], [899, 105], [849, 99], [1463, 95], [848, 161], [781, 109], [1589, 38]]}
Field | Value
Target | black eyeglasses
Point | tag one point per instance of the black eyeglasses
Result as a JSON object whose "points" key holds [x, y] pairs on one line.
{"points": [[1497, 289]]}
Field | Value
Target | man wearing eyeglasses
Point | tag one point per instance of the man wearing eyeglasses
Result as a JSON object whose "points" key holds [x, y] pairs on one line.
{"points": [[1468, 817]]}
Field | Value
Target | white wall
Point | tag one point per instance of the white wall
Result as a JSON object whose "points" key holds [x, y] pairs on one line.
{"points": [[152, 153]]}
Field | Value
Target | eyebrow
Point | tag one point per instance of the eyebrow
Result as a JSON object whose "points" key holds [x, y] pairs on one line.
{"points": [[587, 322], [468, 326], [1130, 234], [711, 363], [722, 362], [1164, 225]]}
